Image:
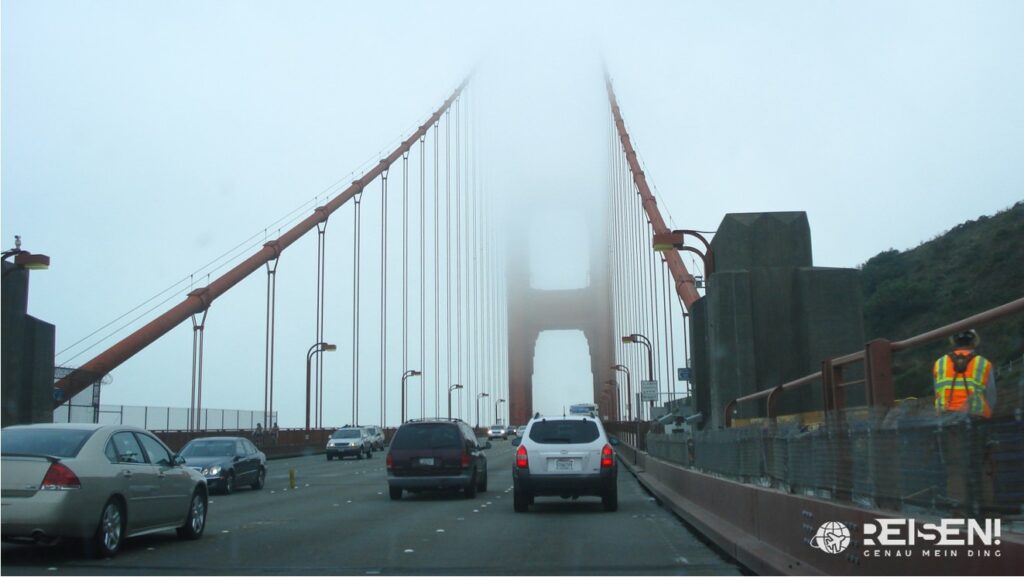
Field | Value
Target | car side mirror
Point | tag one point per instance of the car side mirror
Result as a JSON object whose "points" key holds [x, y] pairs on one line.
{"points": [[178, 459], [487, 445], [613, 440], [516, 441], [237, 458]]}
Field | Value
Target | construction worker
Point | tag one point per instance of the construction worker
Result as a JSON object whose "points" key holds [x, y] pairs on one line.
{"points": [[963, 378]]}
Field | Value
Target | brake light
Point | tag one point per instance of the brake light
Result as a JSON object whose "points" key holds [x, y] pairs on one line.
{"points": [[465, 460], [59, 478], [522, 459], [389, 462], [607, 457]]}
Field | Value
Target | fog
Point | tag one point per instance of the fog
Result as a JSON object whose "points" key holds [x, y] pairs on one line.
{"points": [[141, 142]]}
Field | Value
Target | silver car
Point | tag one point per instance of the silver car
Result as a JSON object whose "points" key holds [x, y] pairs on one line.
{"points": [[99, 483]]}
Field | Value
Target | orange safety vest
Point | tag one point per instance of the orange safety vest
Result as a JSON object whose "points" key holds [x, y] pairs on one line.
{"points": [[963, 391]]}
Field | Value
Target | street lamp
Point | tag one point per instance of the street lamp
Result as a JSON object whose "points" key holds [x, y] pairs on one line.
{"points": [[406, 375], [615, 397], [450, 389], [638, 338], [497, 415], [676, 239], [317, 348], [478, 397], [629, 388]]}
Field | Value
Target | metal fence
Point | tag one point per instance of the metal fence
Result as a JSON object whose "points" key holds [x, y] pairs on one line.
{"points": [[914, 461], [161, 418]]}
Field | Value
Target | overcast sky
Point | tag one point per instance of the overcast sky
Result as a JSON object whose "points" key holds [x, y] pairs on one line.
{"points": [[142, 140]]}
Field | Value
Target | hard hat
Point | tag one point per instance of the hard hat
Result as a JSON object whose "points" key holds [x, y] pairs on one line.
{"points": [[968, 338]]}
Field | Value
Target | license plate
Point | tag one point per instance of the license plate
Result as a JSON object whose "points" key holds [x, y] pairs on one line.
{"points": [[563, 465], [427, 461]]}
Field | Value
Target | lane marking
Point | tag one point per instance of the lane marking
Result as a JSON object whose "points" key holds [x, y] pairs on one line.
{"points": [[440, 531], [408, 551]]}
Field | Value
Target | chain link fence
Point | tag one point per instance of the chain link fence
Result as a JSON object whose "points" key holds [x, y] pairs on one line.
{"points": [[162, 418], [907, 459]]}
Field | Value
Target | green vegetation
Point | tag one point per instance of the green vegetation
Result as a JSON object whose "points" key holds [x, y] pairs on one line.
{"points": [[972, 268]]}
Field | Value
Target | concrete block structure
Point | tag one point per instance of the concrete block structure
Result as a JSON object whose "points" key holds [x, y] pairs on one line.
{"points": [[769, 316]]}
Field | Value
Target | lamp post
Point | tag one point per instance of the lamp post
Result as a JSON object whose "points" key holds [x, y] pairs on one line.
{"points": [[676, 239], [615, 396], [497, 415], [478, 397], [406, 375], [638, 338], [450, 389], [629, 389], [317, 348]]}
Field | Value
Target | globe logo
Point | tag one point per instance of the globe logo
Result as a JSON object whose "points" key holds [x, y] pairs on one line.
{"points": [[832, 537]]}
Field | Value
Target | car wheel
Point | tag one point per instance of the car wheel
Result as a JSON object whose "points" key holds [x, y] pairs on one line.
{"points": [[330, 457], [469, 491], [482, 486], [261, 479], [359, 455], [195, 522], [229, 483], [520, 501], [395, 493], [110, 532], [610, 499], [369, 453]]}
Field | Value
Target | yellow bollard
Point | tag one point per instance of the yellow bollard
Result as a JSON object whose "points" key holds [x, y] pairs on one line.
{"points": [[291, 478]]}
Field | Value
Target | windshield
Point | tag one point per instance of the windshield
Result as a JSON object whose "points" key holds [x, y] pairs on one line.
{"points": [[564, 432], [54, 442], [346, 434], [439, 436], [209, 449]]}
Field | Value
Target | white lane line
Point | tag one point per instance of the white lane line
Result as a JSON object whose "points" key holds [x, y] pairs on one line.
{"points": [[440, 531], [225, 531], [408, 551], [51, 568]]}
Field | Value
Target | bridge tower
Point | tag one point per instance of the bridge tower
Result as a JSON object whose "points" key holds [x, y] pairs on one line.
{"points": [[532, 311]]}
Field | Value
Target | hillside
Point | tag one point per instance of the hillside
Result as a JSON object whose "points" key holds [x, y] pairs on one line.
{"points": [[975, 266]]}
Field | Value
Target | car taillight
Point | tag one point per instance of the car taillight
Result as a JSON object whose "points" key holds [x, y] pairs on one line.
{"points": [[59, 478], [389, 462], [522, 459], [607, 457], [465, 460]]}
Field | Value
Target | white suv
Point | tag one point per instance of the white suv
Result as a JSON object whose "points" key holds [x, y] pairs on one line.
{"points": [[566, 457]]}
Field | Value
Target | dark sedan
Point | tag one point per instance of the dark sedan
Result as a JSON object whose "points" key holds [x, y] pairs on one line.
{"points": [[227, 462]]}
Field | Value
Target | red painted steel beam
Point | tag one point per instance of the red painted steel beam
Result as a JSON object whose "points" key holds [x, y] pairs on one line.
{"points": [[685, 285], [200, 299]]}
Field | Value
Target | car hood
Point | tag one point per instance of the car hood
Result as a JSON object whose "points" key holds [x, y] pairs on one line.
{"points": [[204, 462]]}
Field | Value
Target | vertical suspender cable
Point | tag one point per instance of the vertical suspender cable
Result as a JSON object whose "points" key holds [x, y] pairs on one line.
{"points": [[405, 268], [437, 281], [458, 257], [448, 242], [423, 274], [355, 305], [666, 310], [268, 367], [383, 297]]}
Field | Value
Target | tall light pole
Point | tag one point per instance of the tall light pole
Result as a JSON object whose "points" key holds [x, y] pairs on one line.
{"points": [[497, 415], [478, 397], [406, 375], [629, 389], [638, 338], [317, 348], [615, 396], [450, 389]]}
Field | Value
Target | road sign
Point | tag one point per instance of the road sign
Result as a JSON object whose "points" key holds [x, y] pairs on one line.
{"points": [[648, 390], [683, 373]]}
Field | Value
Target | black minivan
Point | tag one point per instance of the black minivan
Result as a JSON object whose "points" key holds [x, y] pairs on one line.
{"points": [[436, 454]]}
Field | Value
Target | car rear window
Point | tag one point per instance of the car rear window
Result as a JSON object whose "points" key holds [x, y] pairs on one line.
{"points": [[427, 436], [64, 443], [566, 432]]}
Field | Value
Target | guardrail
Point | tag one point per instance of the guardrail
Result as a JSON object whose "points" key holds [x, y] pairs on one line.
{"points": [[877, 362]]}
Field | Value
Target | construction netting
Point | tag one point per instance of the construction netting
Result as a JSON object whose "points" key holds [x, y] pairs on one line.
{"points": [[900, 459]]}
